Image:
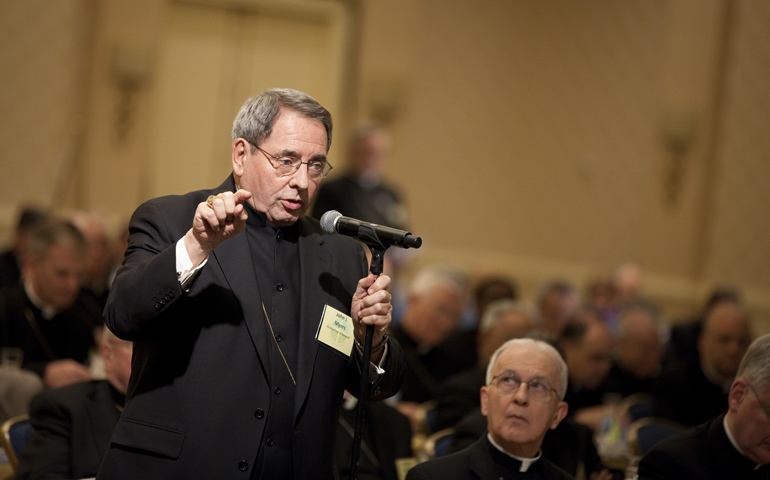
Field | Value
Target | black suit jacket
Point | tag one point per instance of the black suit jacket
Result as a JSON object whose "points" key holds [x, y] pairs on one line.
{"points": [[483, 462], [73, 426], [568, 446], [683, 393], [701, 453], [200, 391], [69, 334]]}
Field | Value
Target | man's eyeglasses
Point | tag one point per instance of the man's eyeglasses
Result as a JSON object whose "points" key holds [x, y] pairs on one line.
{"points": [[285, 166], [509, 382]]}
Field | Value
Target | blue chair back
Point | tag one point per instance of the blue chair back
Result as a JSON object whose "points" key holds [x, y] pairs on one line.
{"points": [[16, 433], [650, 434]]}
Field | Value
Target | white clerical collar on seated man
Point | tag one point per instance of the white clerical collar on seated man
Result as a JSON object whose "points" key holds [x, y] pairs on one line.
{"points": [[732, 439], [525, 462], [48, 311]]}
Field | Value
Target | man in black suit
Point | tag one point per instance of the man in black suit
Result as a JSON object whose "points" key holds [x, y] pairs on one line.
{"points": [[12, 259], [735, 444], [362, 192], [692, 392], [244, 315], [47, 315], [73, 424], [526, 380]]}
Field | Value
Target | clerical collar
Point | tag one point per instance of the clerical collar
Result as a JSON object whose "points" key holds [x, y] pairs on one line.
{"points": [[525, 462], [47, 310], [259, 219], [732, 439]]}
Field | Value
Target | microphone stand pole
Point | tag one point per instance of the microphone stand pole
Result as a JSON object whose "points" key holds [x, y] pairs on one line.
{"points": [[369, 237]]}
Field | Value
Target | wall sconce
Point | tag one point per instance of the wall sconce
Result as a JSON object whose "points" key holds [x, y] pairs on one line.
{"points": [[130, 67], [678, 130]]}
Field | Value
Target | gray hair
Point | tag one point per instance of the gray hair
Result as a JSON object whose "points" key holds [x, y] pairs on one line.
{"points": [[497, 309], [430, 278], [561, 389], [54, 232], [755, 365], [256, 118]]}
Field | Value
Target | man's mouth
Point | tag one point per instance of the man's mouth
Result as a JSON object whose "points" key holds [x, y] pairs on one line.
{"points": [[292, 204]]}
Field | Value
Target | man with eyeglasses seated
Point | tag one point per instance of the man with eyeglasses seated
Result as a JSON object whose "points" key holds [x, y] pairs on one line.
{"points": [[522, 400], [734, 445]]}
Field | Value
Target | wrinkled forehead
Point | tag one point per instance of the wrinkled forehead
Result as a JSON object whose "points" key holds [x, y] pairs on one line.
{"points": [[528, 362]]}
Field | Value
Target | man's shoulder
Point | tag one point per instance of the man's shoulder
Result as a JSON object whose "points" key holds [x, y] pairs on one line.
{"points": [[70, 396], [455, 465]]}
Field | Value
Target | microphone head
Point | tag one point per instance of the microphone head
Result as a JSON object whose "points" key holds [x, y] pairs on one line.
{"points": [[329, 221]]}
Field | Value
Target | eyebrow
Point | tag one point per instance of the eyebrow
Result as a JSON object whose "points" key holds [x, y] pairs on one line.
{"points": [[291, 153]]}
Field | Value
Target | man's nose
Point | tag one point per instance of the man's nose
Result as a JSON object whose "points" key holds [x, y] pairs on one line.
{"points": [[521, 394], [300, 179]]}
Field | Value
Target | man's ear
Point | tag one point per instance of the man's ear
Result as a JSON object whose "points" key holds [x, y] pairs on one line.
{"points": [[558, 416], [738, 392], [484, 399], [241, 149]]}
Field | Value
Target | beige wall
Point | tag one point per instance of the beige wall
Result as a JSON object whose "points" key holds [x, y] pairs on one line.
{"points": [[537, 138]]}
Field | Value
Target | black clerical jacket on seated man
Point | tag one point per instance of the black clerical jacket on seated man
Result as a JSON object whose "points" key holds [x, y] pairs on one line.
{"points": [[484, 461]]}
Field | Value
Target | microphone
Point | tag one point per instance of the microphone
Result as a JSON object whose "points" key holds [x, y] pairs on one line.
{"points": [[333, 222]]}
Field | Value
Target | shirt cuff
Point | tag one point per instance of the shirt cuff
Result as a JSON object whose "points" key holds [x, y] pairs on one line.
{"points": [[184, 266]]}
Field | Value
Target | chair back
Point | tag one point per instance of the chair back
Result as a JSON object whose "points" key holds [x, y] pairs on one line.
{"points": [[645, 433], [637, 406], [15, 434], [426, 417], [436, 445]]}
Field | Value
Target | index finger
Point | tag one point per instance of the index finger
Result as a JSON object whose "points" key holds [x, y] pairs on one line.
{"points": [[382, 282], [241, 196]]}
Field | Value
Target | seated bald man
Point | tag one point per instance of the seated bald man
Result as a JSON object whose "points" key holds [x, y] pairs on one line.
{"points": [[522, 400]]}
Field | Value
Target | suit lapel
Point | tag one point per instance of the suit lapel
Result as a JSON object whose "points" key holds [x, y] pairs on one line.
{"points": [[234, 258], [314, 260]]}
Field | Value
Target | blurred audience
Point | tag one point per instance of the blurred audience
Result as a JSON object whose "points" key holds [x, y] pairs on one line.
{"points": [[557, 302], [47, 316], [74, 424], [637, 359], [361, 192], [17, 388], [101, 255], [691, 392], [683, 339], [462, 342], [732, 445], [436, 299], [502, 321], [12, 259], [587, 347]]}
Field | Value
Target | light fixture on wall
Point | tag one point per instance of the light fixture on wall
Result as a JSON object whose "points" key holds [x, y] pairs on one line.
{"points": [[130, 67], [678, 129]]}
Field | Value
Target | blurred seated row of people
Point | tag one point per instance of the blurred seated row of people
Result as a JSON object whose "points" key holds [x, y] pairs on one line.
{"points": [[73, 424], [47, 315]]}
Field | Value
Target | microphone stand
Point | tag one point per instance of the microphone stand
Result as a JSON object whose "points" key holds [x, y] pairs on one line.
{"points": [[367, 235]]}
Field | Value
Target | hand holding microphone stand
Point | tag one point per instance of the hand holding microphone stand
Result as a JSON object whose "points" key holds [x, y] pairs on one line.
{"points": [[378, 238]]}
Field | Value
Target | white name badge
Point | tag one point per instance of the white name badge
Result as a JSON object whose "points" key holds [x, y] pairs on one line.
{"points": [[336, 330]]}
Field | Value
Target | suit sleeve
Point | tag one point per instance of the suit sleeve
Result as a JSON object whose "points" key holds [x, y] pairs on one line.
{"points": [[659, 464], [147, 283]]}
